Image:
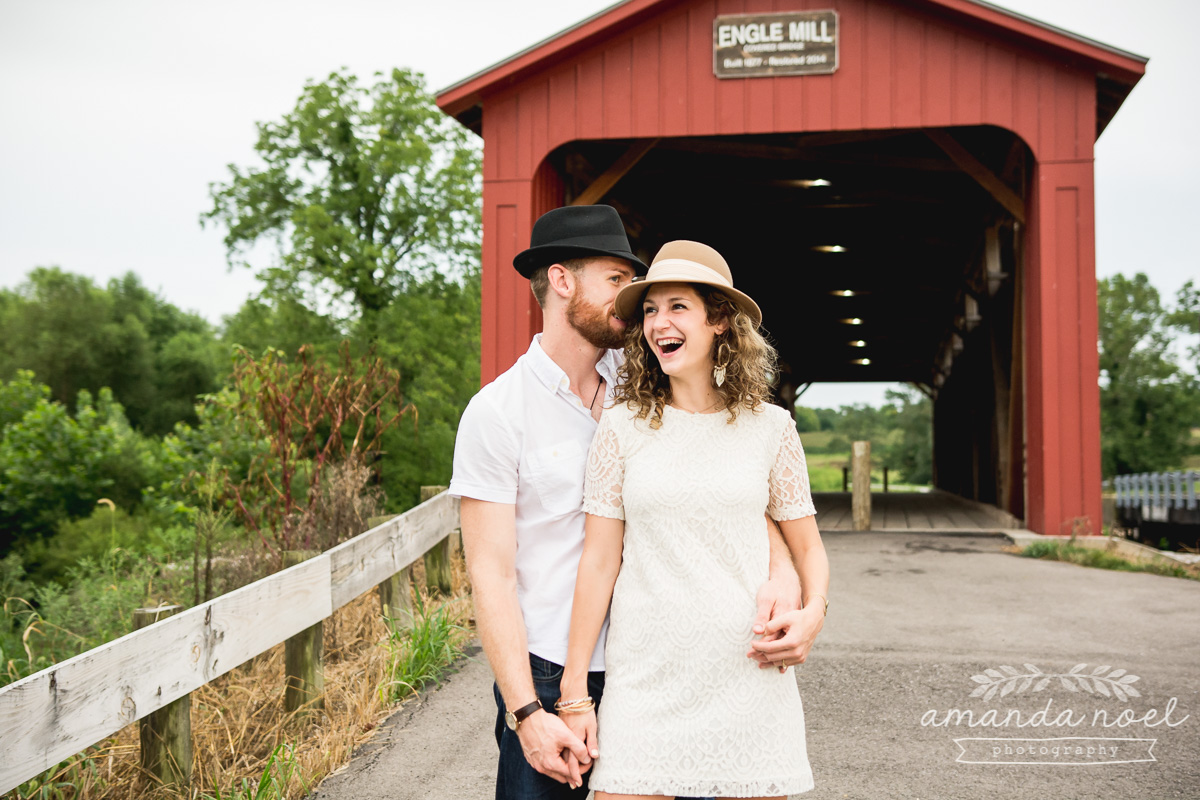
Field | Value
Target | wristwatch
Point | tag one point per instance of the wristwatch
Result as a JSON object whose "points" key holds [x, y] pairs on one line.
{"points": [[514, 718]]}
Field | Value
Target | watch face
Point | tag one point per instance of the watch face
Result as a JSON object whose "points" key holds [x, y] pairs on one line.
{"points": [[510, 720]]}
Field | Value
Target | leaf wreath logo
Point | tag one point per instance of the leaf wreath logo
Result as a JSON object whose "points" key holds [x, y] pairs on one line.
{"points": [[1006, 680]]}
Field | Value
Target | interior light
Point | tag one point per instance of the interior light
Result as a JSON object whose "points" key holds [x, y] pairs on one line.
{"points": [[843, 293], [863, 361], [852, 320], [858, 343], [829, 248], [811, 183]]}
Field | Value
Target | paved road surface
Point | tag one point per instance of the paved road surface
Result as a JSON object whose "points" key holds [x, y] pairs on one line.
{"points": [[912, 617]]}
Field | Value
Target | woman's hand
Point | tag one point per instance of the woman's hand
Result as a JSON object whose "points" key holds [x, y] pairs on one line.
{"points": [[584, 726], [788, 637]]}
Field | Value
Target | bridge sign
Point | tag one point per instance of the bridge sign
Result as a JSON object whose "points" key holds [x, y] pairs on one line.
{"points": [[766, 45]]}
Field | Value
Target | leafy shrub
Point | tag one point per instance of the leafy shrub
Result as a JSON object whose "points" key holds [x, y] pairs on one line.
{"points": [[54, 466]]}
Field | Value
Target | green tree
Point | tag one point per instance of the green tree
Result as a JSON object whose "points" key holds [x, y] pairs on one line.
{"points": [[364, 188], [829, 418], [807, 420], [1148, 401], [59, 325], [912, 451], [75, 335], [859, 422], [283, 323], [431, 334]]}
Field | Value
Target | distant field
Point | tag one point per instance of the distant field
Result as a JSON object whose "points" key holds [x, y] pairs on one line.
{"points": [[825, 469], [825, 474], [817, 440]]}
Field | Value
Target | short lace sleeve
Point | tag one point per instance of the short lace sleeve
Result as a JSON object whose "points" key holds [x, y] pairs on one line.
{"points": [[605, 472], [790, 496]]}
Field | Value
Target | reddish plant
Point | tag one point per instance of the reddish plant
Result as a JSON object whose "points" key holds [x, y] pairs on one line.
{"points": [[312, 413]]}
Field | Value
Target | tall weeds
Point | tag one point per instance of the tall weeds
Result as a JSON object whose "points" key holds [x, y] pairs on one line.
{"points": [[244, 746]]}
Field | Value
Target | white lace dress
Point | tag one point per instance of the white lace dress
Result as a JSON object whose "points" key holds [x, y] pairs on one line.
{"points": [[685, 712]]}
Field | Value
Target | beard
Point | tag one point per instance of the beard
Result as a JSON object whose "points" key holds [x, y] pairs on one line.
{"points": [[593, 323]]}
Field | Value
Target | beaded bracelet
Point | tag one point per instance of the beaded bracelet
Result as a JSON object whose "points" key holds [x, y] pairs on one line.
{"points": [[580, 706]]}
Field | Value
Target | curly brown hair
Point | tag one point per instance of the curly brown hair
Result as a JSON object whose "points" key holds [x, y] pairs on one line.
{"points": [[751, 363]]}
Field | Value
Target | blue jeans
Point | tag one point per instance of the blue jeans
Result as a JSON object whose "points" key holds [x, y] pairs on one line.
{"points": [[515, 779]]}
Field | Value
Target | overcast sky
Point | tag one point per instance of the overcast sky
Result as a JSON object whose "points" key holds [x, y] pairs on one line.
{"points": [[116, 115]]}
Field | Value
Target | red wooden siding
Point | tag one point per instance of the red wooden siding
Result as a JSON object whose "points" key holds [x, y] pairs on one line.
{"points": [[1062, 395], [645, 70], [898, 68]]}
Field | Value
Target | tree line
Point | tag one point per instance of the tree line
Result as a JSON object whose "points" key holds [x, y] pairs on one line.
{"points": [[366, 199]]}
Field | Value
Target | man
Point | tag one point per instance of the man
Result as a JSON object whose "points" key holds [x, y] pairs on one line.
{"points": [[519, 466]]}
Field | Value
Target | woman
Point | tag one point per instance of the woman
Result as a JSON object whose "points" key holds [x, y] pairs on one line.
{"points": [[680, 472]]}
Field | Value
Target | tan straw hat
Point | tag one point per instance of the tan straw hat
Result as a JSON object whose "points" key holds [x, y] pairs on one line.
{"points": [[682, 261]]}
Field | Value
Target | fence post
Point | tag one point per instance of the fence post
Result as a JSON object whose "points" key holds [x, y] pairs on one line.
{"points": [[885, 469], [437, 560], [845, 479], [304, 657], [166, 734], [860, 500]]}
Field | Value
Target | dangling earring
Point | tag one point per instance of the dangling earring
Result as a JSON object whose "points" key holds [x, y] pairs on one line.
{"points": [[721, 364]]}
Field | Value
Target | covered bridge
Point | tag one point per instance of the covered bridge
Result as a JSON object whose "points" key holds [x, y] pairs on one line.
{"points": [[906, 186]]}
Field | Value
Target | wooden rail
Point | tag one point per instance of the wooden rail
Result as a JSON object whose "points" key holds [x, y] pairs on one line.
{"points": [[62, 710]]}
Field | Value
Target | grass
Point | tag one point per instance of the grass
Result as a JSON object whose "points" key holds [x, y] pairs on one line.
{"points": [[817, 440], [280, 770], [825, 473], [420, 656], [1101, 559], [244, 747]]}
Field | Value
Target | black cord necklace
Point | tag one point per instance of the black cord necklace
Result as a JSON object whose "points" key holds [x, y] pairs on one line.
{"points": [[596, 394]]}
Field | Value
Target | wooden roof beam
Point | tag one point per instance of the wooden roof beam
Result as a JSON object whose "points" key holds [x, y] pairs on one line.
{"points": [[979, 171], [602, 185]]}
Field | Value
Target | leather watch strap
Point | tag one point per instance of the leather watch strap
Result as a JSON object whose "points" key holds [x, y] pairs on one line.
{"points": [[522, 713]]}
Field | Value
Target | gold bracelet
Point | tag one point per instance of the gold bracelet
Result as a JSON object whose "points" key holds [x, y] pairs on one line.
{"points": [[576, 709], [560, 703], [826, 612]]}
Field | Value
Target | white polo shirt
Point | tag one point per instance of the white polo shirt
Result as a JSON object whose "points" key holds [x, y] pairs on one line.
{"points": [[524, 439]]}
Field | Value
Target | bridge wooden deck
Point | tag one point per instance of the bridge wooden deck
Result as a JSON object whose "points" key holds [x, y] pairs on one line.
{"points": [[912, 511]]}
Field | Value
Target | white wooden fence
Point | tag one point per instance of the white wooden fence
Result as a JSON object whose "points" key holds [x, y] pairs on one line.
{"points": [[68, 707], [1157, 490]]}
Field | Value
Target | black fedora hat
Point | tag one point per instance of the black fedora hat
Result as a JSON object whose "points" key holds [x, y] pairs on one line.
{"points": [[576, 232]]}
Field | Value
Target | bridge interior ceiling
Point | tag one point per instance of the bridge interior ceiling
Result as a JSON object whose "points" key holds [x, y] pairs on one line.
{"points": [[824, 229]]}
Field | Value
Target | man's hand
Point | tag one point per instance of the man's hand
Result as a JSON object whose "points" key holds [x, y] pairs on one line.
{"points": [[544, 738], [584, 727], [787, 638]]}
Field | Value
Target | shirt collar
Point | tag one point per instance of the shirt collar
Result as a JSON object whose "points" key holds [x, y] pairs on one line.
{"points": [[554, 377]]}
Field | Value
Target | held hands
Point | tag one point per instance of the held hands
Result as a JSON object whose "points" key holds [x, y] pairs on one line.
{"points": [[552, 749], [787, 638], [583, 725]]}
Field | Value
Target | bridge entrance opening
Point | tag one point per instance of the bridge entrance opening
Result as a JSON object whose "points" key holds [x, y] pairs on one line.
{"points": [[875, 256]]}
